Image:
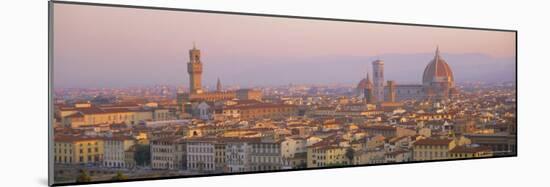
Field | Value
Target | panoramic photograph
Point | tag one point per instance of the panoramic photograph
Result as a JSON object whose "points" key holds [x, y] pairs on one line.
{"points": [[143, 93]]}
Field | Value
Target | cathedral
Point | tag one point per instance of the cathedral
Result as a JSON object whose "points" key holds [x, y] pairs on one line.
{"points": [[437, 83]]}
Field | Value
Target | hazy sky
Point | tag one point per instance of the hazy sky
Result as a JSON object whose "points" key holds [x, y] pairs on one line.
{"points": [[119, 47]]}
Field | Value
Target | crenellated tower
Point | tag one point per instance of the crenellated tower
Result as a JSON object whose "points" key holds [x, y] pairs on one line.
{"points": [[194, 68]]}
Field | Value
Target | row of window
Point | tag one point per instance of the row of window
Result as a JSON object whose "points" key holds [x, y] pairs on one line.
{"points": [[432, 147], [96, 150], [322, 164], [64, 159], [55, 150], [269, 150], [163, 158], [240, 169], [266, 159], [200, 149], [161, 116], [113, 164], [162, 165], [256, 146], [324, 151], [265, 168], [162, 150], [115, 143], [111, 118], [430, 154], [113, 156], [89, 144], [206, 158], [205, 166]]}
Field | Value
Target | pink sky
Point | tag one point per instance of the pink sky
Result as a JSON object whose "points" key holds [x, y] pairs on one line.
{"points": [[111, 40]]}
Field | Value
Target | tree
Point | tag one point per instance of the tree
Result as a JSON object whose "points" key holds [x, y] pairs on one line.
{"points": [[119, 176], [143, 155], [350, 153], [83, 177]]}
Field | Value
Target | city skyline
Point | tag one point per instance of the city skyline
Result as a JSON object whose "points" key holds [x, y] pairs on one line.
{"points": [[289, 94], [162, 59]]}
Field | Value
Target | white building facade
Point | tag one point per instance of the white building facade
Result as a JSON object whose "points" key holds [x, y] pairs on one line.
{"points": [[114, 149], [201, 155]]}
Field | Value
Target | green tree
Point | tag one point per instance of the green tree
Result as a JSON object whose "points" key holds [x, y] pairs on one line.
{"points": [[350, 153], [119, 176], [83, 177], [143, 155]]}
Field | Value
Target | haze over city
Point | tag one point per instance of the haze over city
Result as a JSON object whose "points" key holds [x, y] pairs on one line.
{"points": [[113, 47], [154, 93]]}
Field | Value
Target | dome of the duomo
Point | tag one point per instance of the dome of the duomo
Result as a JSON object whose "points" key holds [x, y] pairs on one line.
{"points": [[437, 71], [437, 83], [364, 83]]}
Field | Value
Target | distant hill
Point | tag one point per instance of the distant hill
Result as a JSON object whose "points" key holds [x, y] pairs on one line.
{"points": [[404, 68]]}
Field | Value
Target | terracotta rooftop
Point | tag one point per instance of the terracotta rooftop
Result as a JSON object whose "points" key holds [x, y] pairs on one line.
{"points": [[380, 127], [470, 149], [256, 106], [119, 138], [433, 141], [72, 138]]}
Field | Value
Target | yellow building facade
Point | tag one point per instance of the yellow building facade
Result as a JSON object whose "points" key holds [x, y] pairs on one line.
{"points": [[432, 149], [470, 151], [78, 150], [85, 116], [325, 155]]}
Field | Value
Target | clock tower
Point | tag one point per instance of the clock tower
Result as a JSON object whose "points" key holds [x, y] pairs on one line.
{"points": [[194, 68]]}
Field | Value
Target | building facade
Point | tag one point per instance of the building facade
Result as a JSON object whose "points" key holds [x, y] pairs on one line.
{"points": [[201, 155], [237, 156], [265, 156], [470, 151], [78, 150], [432, 149], [260, 110], [163, 151], [326, 154], [114, 151]]}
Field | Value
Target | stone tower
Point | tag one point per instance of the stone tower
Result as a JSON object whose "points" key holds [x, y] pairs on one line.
{"points": [[378, 71], [194, 68], [391, 91], [219, 85], [369, 92]]}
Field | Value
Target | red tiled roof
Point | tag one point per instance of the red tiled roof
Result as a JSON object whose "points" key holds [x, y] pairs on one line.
{"points": [[75, 115], [380, 127], [119, 138], [470, 149], [69, 138], [433, 141], [256, 106]]}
